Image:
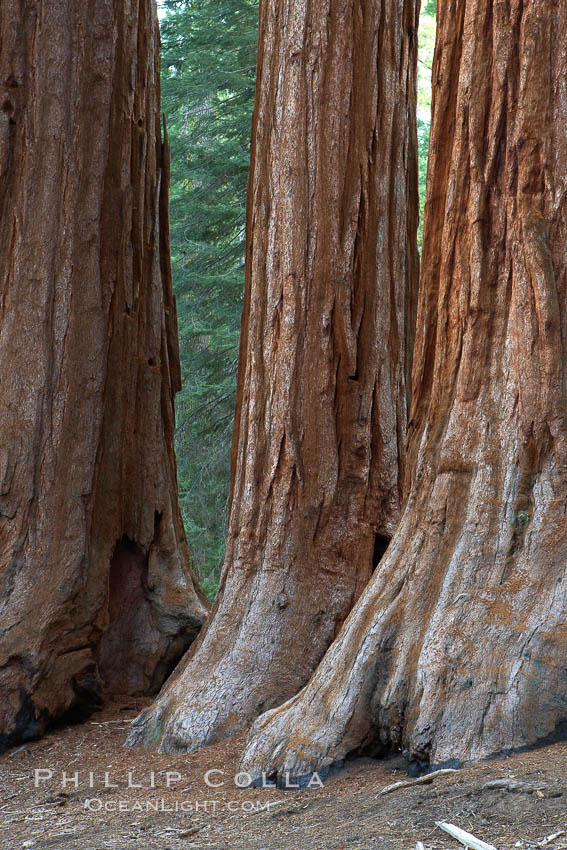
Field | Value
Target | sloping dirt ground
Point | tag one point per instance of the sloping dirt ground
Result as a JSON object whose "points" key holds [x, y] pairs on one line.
{"points": [[41, 807]]}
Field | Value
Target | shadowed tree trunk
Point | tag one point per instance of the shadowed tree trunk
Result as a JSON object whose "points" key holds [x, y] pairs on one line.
{"points": [[94, 575], [327, 332], [456, 650]]}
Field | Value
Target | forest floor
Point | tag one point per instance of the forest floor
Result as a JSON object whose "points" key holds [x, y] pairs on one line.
{"points": [[39, 811]]}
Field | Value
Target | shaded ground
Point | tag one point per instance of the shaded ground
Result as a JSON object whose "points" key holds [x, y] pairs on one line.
{"points": [[38, 811]]}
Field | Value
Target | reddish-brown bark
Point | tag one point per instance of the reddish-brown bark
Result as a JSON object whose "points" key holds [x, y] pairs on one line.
{"points": [[327, 330], [94, 575], [457, 647]]}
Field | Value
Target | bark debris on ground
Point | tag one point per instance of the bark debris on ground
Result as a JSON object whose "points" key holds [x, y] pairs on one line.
{"points": [[502, 801]]}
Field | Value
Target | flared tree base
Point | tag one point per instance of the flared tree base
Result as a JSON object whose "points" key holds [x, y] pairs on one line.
{"points": [[455, 651]]}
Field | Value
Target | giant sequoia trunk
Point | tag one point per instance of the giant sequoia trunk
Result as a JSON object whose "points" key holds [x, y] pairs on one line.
{"points": [[457, 648], [94, 576], [318, 447]]}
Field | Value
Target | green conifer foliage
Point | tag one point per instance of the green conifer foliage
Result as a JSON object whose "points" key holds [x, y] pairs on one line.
{"points": [[426, 37], [208, 81]]}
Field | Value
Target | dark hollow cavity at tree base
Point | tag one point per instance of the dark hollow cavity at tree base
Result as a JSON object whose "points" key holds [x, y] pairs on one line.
{"points": [[126, 655]]}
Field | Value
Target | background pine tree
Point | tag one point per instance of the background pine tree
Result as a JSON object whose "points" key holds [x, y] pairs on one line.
{"points": [[208, 81], [425, 61]]}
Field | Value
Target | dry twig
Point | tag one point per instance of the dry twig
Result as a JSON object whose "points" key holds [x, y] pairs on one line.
{"points": [[421, 780], [545, 841], [464, 837]]}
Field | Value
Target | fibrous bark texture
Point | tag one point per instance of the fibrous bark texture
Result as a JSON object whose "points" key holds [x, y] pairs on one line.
{"points": [[457, 648], [331, 287], [95, 585]]}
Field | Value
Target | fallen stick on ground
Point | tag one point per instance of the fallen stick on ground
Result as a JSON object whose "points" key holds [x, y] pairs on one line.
{"points": [[422, 780], [267, 806], [464, 837], [545, 841]]}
